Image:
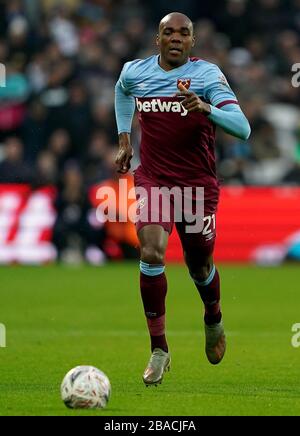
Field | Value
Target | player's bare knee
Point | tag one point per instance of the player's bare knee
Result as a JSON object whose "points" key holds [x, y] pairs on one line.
{"points": [[152, 255]]}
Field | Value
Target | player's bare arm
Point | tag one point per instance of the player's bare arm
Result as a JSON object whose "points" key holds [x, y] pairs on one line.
{"points": [[125, 153]]}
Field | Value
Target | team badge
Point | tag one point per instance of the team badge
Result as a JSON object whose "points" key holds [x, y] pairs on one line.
{"points": [[185, 82]]}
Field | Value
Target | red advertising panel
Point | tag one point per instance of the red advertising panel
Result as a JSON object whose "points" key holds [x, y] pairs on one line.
{"points": [[27, 218], [253, 224]]}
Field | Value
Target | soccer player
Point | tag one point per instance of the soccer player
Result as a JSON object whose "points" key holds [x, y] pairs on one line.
{"points": [[180, 100]]}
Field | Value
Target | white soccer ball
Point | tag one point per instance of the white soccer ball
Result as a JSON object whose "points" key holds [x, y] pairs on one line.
{"points": [[85, 387]]}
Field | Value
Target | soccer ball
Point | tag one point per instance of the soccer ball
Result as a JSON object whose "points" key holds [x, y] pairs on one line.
{"points": [[85, 387]]}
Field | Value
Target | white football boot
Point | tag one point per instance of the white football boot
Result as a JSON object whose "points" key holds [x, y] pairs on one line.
{"points": [[159, 363]]}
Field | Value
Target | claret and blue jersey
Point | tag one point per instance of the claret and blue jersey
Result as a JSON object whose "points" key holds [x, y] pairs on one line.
{"points": [[177, 146]]}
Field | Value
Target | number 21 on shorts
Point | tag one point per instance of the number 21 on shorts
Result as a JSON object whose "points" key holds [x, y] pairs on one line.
{"points": [[209, 224]]}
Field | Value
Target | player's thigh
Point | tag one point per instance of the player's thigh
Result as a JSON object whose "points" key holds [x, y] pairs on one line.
{"points": [[153, 226], [151, 208], [153, 240], [199, 247]]}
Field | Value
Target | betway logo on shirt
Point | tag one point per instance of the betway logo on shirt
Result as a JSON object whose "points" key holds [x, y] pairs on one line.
{"points": [[158, 105]]}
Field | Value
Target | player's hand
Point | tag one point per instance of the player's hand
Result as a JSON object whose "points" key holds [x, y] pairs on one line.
{"points": [[125, 153], [192, 103]]}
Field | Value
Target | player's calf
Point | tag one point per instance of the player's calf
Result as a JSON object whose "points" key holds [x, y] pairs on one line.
{"points": [[209, 289], [208, 285]]}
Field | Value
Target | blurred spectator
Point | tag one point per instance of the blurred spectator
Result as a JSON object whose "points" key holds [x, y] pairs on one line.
{"points": [[293, 176], [95, 168], [64, 32], [264, 141], [61, 147], [46, 169], [104, 119], [295, 15], [121, 239], [233, 19], [267, 15], [73, 233], [4, 50], [12, 100], [13, 169], [18, 37], [55, 95], [34, 130], [233, 157], [37, 73], [78, 118]]}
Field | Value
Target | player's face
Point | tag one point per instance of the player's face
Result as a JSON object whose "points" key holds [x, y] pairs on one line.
{"points": [[175, 41]]}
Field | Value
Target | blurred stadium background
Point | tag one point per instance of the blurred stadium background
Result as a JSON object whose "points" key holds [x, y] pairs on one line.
{"points": [[58, 137], [58, 143]]}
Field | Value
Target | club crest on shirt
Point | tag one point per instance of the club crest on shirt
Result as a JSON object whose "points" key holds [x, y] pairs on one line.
{"points": [[185, 82]]}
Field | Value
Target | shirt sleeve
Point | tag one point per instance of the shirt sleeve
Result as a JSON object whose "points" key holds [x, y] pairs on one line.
{"points": [[124, 103], [225, 109], [232, 120], [216, 88]]}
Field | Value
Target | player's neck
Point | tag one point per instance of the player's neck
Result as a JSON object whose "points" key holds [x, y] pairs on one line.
{"points": [[168, 67]]}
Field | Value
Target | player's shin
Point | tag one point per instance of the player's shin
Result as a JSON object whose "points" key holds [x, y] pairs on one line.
{"points": [[153, 291], [215, 340], [209, 291]]}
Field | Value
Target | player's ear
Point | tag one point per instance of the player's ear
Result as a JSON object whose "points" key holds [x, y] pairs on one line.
{"points": [[194, 41], [157, 40]]}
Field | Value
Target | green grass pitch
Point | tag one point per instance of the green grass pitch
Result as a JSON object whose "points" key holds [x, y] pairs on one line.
{"points": [[59, 317]]}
